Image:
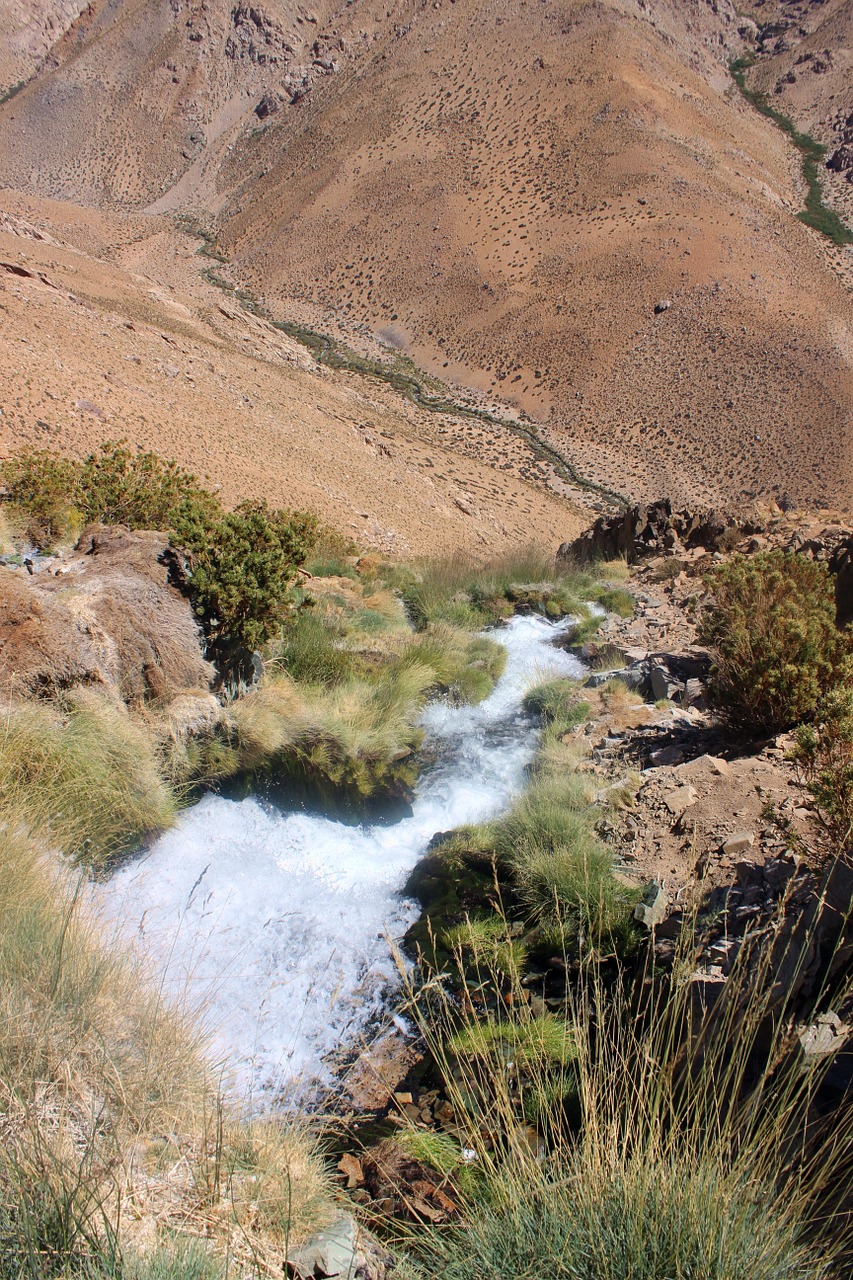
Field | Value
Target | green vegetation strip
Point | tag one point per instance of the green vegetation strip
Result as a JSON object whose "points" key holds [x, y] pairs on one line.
{"points": [[816, 214], [335, 355]]}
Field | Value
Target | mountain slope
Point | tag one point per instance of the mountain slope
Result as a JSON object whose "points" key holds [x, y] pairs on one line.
{"points": [[503, 189], [509, 206], [94, 346]]}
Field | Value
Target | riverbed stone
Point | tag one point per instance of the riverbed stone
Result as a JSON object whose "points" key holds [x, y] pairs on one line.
{"points": [[653, 911], [738, 843], [329, 1254], [680, 799]]}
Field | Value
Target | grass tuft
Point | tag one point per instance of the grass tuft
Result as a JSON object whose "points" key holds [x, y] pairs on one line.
{"points": [[84, 776]]}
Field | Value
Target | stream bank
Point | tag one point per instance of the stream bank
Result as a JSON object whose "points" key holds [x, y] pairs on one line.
{"points": [[276, 929]]}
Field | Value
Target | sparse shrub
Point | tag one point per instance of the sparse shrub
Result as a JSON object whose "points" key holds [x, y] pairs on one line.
{"points": [[771, 626], [824, 753]]}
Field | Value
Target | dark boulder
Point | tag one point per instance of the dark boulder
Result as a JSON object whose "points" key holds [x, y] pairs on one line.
{"points": [[841, 565], [653, 529]]}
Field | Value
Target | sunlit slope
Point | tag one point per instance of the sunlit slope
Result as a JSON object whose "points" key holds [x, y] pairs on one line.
{"points": [[504, 190], [507, 191], [94, 346]]}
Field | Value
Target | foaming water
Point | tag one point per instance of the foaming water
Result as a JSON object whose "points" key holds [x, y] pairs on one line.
{"points": [[276, 928]]}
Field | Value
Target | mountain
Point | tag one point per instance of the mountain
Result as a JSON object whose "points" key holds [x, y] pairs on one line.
{"points": [[562, 206], [805, 68]]}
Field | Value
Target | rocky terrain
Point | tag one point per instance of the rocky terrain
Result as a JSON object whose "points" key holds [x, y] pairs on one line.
{"points": [[723, 832], [107, 615], [805, 66]]}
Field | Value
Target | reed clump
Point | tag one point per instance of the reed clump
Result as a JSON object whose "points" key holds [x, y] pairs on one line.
{"points": [[84, 774], [639, 1131], [467, 594]]}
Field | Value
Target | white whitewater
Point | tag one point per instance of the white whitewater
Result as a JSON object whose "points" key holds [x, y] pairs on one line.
{"points": [[276, 927]]}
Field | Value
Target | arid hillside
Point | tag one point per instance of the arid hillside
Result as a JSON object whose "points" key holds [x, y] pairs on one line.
{"points": [[94, 345], [805, 67], [509, 192], [566, 207]]}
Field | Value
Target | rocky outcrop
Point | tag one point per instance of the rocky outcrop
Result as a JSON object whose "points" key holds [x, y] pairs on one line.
{"points": [[646, 530], [841, 565], [109, 614]]}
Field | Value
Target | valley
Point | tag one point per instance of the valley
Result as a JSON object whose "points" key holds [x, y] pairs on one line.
{"points": [[575, 217], [426, 573]]}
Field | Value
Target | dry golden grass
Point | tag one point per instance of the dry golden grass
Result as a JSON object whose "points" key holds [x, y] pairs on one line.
{"points": [[113, 1133], [83, 774]]}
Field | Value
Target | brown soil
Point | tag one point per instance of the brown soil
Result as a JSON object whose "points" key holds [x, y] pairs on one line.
{"points": [[105, 615]]}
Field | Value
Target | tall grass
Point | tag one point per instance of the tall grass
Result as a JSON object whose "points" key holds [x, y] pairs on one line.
{"points": [[674, 1137], [464, 667], [82, 774], [354, 733], [113, 1134], [465, 593], [548, 864]]}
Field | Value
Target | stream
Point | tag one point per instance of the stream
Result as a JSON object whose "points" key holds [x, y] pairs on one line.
{"points": [[276, 929]]}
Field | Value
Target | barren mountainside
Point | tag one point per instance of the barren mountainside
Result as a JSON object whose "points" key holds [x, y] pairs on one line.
{"points": [[566, 208]]}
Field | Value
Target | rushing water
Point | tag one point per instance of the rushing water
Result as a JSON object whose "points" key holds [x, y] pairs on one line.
{"points": [[277, 927]]}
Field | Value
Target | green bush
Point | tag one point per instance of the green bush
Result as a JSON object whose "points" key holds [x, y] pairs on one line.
{"points": [[242, 569], [40, 488], [118, 485], [824, 753], [771, 628], [114, 485], [242, 563]]}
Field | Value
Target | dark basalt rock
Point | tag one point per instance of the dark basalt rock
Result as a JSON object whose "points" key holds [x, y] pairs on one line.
{"points": [[654, 529]]}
